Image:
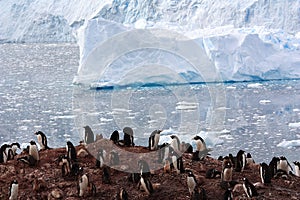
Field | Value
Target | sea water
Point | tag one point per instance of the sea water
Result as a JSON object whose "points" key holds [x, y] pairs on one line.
{"points": [[36, 93]]}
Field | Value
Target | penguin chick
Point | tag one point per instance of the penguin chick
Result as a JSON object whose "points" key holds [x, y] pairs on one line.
{"points": [[191, 182], [249, 188], [13, 190], [42, 140]]}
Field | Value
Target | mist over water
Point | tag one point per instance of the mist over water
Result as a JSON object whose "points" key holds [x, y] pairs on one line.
{"points": [[36, 93]]}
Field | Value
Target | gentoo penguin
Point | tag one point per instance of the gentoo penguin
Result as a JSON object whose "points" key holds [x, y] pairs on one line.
{"points": [[154, 140], [144, 168], [3, 154], [145, 184], [14, 147], [177, 162], [227, 170], [106, 175], [65, 164], [249, 159], [175, 143], [122, 195], [240, 161], [191, 182], [228, 195], [297, 168], [186, 147], [212, 173], [163, 152], [200, 143], [29, 160], [42, 140], [273, 165], [199, 193], [83, 185], [114, 158], [88, 135], [265, 173], [284, 165], [33, 150], [13, 190], [100, 158], [249, 188], [71, 151], [128, 137], [115, 137]]}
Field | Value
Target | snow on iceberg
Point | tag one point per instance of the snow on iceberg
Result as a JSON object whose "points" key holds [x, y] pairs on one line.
{"points": [[289, 143]]}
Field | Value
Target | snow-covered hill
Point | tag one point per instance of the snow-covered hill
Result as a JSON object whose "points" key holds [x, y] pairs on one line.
{"points": [[244, 39]]}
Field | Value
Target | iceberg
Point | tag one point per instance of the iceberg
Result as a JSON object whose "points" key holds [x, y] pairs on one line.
{"points": [[244, 40]]}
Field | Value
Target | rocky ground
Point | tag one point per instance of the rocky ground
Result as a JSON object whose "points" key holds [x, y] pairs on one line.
{"points": [[45, 181]]}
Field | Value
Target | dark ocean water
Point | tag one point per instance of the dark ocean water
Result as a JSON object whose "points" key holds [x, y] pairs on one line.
{"points": [[36, 93]]}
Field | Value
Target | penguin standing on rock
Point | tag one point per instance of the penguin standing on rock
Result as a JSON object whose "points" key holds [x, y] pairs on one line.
{"points": [[265, 173], [14, 147], [249, 188], [297, 168], [177, 162], [191, 182], [144, 168], [154, 140], [240, 161], [284, 165], [42, 140], [83, 185], [115, 137], [228, 194], [175, 143], [65, 164], [146, 184], [33, 151], [128, 137], [226, 170], [71, 151], [88, 135], [273, 165], [13, 190], [100, 158], [200, 143]]}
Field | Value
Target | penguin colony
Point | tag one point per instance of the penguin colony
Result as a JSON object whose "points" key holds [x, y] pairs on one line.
{"points": [[174, 163]]}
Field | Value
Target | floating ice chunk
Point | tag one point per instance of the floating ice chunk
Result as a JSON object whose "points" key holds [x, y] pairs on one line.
{"points": [[254, 85], [186, 105], [264, 101], [289, 144], [294, 125]]}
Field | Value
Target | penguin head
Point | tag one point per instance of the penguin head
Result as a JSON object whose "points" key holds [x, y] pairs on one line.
{"points": [[32, 142], [282, 158], [38, 133], [14, 182], [16, 144], [249, 155], [198, 138], [173, 136], [245, 180]]}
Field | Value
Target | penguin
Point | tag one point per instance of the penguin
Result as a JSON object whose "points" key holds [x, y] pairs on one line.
{"points": [[186, 147], [106, 175], [9, 153], [76, 169], [134, 177], [249, 159], [33, 150], [191, 182], [115, 137], [65, 164], [128, 137], [114, 158], [167, 168], [175, 143], [163, 152], [71, 151], [100, 158], [273, 165], [13, 190], [226, 171], [240, 161], [297, 168], [83, 185], [154, 140], [228, 195], [146, 184], [3, 156], [249, 188], [42, 140], [14, 147], [29, 160], [265, 173], [200, 143], [144, 168], [212, 173], [284, 165], [199, 194], [122, 195], [88, 135], [177, 162]]}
